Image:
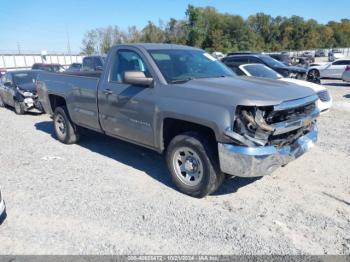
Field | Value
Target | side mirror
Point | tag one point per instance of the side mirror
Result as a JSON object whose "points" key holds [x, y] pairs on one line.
{"points": [[8, 84], [137, 78]]}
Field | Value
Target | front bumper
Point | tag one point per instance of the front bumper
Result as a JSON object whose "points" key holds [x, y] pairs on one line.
{"points": [[32, 105], [259, 161]]}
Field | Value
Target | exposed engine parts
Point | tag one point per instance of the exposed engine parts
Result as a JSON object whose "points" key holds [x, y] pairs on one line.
{"points": [[261, 126]]}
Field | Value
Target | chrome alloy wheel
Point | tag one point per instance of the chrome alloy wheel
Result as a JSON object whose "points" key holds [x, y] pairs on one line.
{"points": [[188, 166]]}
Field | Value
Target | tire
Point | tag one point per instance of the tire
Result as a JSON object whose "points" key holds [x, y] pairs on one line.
{"points": [[313, 74], [2, 104], [19, 110], [65, 130], [193, 165]]}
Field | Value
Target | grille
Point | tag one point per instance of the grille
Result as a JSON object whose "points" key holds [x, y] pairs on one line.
{"points": [[324, 96], [292, 113]]}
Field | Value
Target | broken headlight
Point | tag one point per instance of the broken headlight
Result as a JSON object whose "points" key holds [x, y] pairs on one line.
{"points": [[250, 127]]}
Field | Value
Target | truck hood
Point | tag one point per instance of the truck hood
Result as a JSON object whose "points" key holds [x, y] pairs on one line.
{"points": [[30, 87], [247, 90]]}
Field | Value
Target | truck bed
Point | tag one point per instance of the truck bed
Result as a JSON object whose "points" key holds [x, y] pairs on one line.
{"points": [[80, 92], [95, 74]]}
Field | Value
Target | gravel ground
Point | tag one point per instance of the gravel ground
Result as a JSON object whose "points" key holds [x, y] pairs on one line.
{"points": [[105, 196]]}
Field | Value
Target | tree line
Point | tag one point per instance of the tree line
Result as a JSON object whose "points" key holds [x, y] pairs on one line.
{"points": [[211, 30]]}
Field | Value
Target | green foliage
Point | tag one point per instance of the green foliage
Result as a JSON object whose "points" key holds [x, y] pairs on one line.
{"points": [[208, 29]]}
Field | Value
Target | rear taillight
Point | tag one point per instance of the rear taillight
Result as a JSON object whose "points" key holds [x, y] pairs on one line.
{"points": [[347, 68]]}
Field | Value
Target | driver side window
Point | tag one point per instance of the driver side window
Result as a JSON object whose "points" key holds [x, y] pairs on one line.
{"points": [[127, 60], [341, 62]]}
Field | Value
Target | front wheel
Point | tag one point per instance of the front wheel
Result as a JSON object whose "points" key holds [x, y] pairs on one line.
{"points": [[313, 75], [193, 165], [65, 130]]}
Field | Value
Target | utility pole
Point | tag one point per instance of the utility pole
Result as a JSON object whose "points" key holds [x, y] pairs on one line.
{"points": [[68, 41], [19, 48]]}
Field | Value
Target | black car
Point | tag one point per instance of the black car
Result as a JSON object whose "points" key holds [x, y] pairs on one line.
{"points": [[234, 61], [93, 63], [18, 89], [75, 67], [48, 67], [320, 53]]}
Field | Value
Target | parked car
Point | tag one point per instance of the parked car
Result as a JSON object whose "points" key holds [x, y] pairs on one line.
{"points": [[328, 70], [218, 55], [320, 53], [93, 63], [308, 54], [18, 89], [2, 72], [183, 102], [234, 61], [335, 54], [2, 208], [74, 67], [346, 74], [259, 70], [48, 67], [284, 58], [301, 62]]}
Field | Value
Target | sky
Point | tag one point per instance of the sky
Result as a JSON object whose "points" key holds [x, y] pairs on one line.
{"points": [[35, 25]]}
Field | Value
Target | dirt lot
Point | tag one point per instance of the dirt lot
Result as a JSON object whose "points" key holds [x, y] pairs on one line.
{"points": [[105, 196]]}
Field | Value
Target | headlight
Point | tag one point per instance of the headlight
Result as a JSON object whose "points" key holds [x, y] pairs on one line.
{"points": [[250, 127], [28, 101], [324, 96]]}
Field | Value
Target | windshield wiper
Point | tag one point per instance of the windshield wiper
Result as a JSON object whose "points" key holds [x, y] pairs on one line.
{"points": [[179, 81]]}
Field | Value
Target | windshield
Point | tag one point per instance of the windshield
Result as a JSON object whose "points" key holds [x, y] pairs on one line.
{"points": [[21, 78], [272, 62], [183, 65], [259, 70]]}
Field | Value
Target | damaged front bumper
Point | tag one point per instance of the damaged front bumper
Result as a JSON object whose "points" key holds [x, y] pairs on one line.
{"points": [[246, 161], [31, 104]]}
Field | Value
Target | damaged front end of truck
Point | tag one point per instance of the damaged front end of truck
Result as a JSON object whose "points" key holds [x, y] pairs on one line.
{"points": [[267, 137]]}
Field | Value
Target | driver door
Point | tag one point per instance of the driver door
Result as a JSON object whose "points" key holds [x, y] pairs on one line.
{"points": [[336, 69], [126, 110]]}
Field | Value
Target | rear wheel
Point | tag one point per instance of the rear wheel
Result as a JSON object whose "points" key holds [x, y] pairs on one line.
{"points": [[19, 110], [193, 165], [65, 130]]}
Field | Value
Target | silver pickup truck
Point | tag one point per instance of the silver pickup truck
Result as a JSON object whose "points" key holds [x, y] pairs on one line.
{"points": [[182, 102]]}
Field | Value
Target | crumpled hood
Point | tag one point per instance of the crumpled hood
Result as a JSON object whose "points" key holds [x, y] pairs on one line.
{"points": [[245, 90], [30, 87]]}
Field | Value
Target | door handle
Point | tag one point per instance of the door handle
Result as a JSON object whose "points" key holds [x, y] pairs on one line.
{"points": [[108, 91]]}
